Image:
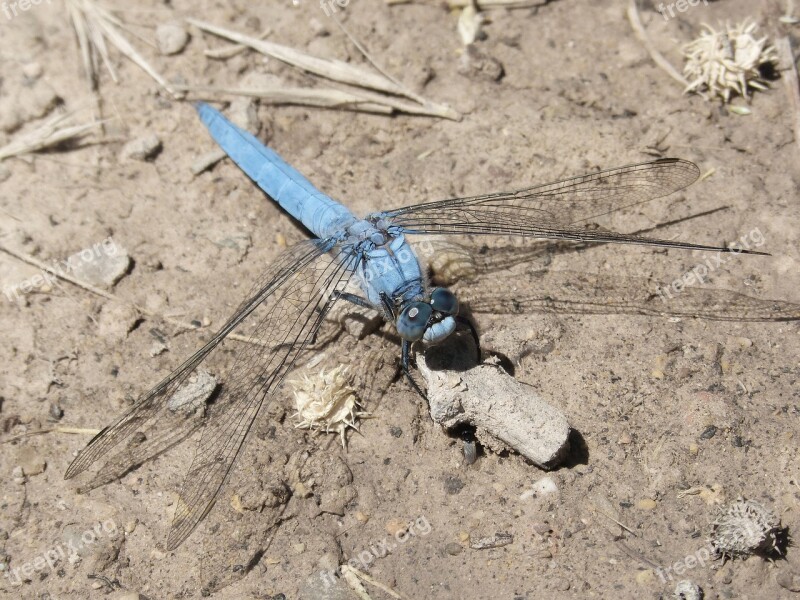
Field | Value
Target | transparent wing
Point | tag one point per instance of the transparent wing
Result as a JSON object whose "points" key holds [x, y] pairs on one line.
{"points": [[568, 292], [281, 315], [555, 210]]}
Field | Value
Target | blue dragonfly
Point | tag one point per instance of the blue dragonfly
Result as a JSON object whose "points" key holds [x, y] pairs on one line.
{"points": [[285, 308]]}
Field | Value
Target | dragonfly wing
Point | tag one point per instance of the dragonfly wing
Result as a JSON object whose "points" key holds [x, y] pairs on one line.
{"points": [[556, 210], [281, 315], [568, 292]]}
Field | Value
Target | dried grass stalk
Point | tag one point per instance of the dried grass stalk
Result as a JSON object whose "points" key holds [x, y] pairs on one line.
{"points": [[335, 70], [52, 132], [93, 27]]}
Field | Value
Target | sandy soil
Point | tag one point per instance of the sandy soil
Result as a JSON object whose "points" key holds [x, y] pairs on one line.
{"points": [[578, 93]]}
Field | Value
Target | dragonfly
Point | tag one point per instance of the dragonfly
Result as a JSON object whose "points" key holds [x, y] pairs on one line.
{"points": [[373, 256]]}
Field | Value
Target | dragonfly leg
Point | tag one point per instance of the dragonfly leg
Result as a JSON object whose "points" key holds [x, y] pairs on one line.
{"points": [[407, 371], [353, 299], [461, 319]]}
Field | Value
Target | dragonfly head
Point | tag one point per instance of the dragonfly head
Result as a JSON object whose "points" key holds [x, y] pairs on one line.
{"points": [[429, 320]]}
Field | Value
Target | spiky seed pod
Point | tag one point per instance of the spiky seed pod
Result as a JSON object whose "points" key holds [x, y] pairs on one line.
{"points": [[326, 402], [721, 63], [743, 528]]}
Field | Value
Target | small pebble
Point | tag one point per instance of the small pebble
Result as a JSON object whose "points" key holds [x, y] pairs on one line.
{"points": [[32, 71], [646, 578], [646, 504], [453, 485], [454, 549], [789, 580], [142, 148], [709, 432], [688, 590], [18, 475], [157, 348], [130, 526], [361, 517], [396, 526], [31, 462], [100, 266], [171, 38], [625, 439], [479, 65], [561, 584], [544, 487], [157, 555], [124, 595], [56, 412]]}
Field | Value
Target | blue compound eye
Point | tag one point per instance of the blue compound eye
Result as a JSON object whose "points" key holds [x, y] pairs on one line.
{"points": [[444, 301], [413, 321]]}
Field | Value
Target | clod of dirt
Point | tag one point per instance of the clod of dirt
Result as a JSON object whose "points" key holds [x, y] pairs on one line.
{"points": [[478, 65]]}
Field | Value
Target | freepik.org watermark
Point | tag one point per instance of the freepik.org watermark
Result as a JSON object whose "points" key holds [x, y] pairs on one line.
{"points": [[63, 267], [679, 5], [329, 6], [380, 549], [700, 272], [687, 563], [68, 551], [12, 9]]}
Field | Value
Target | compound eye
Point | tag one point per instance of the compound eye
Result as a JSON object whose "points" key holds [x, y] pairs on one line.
{"points": [[413, 321], [444, 301]]}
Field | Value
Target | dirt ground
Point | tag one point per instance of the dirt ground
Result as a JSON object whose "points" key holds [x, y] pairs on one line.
{"points": [[660, 405]]}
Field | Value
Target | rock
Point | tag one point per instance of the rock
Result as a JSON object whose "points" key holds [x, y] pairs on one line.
{"points": [[101, 266], [325, 585], [453, 549], [497, 540], [38, 101], [56, 412], [18, 475], [789, 580], [31, 461], [32, 71], [544, 487], [142, 148], [116, 321], [646, 504], [502, 409], [397, 526], [318, 28], [193, 394], [11, 118], [688, 590], [171, 38], [157, 347]]}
